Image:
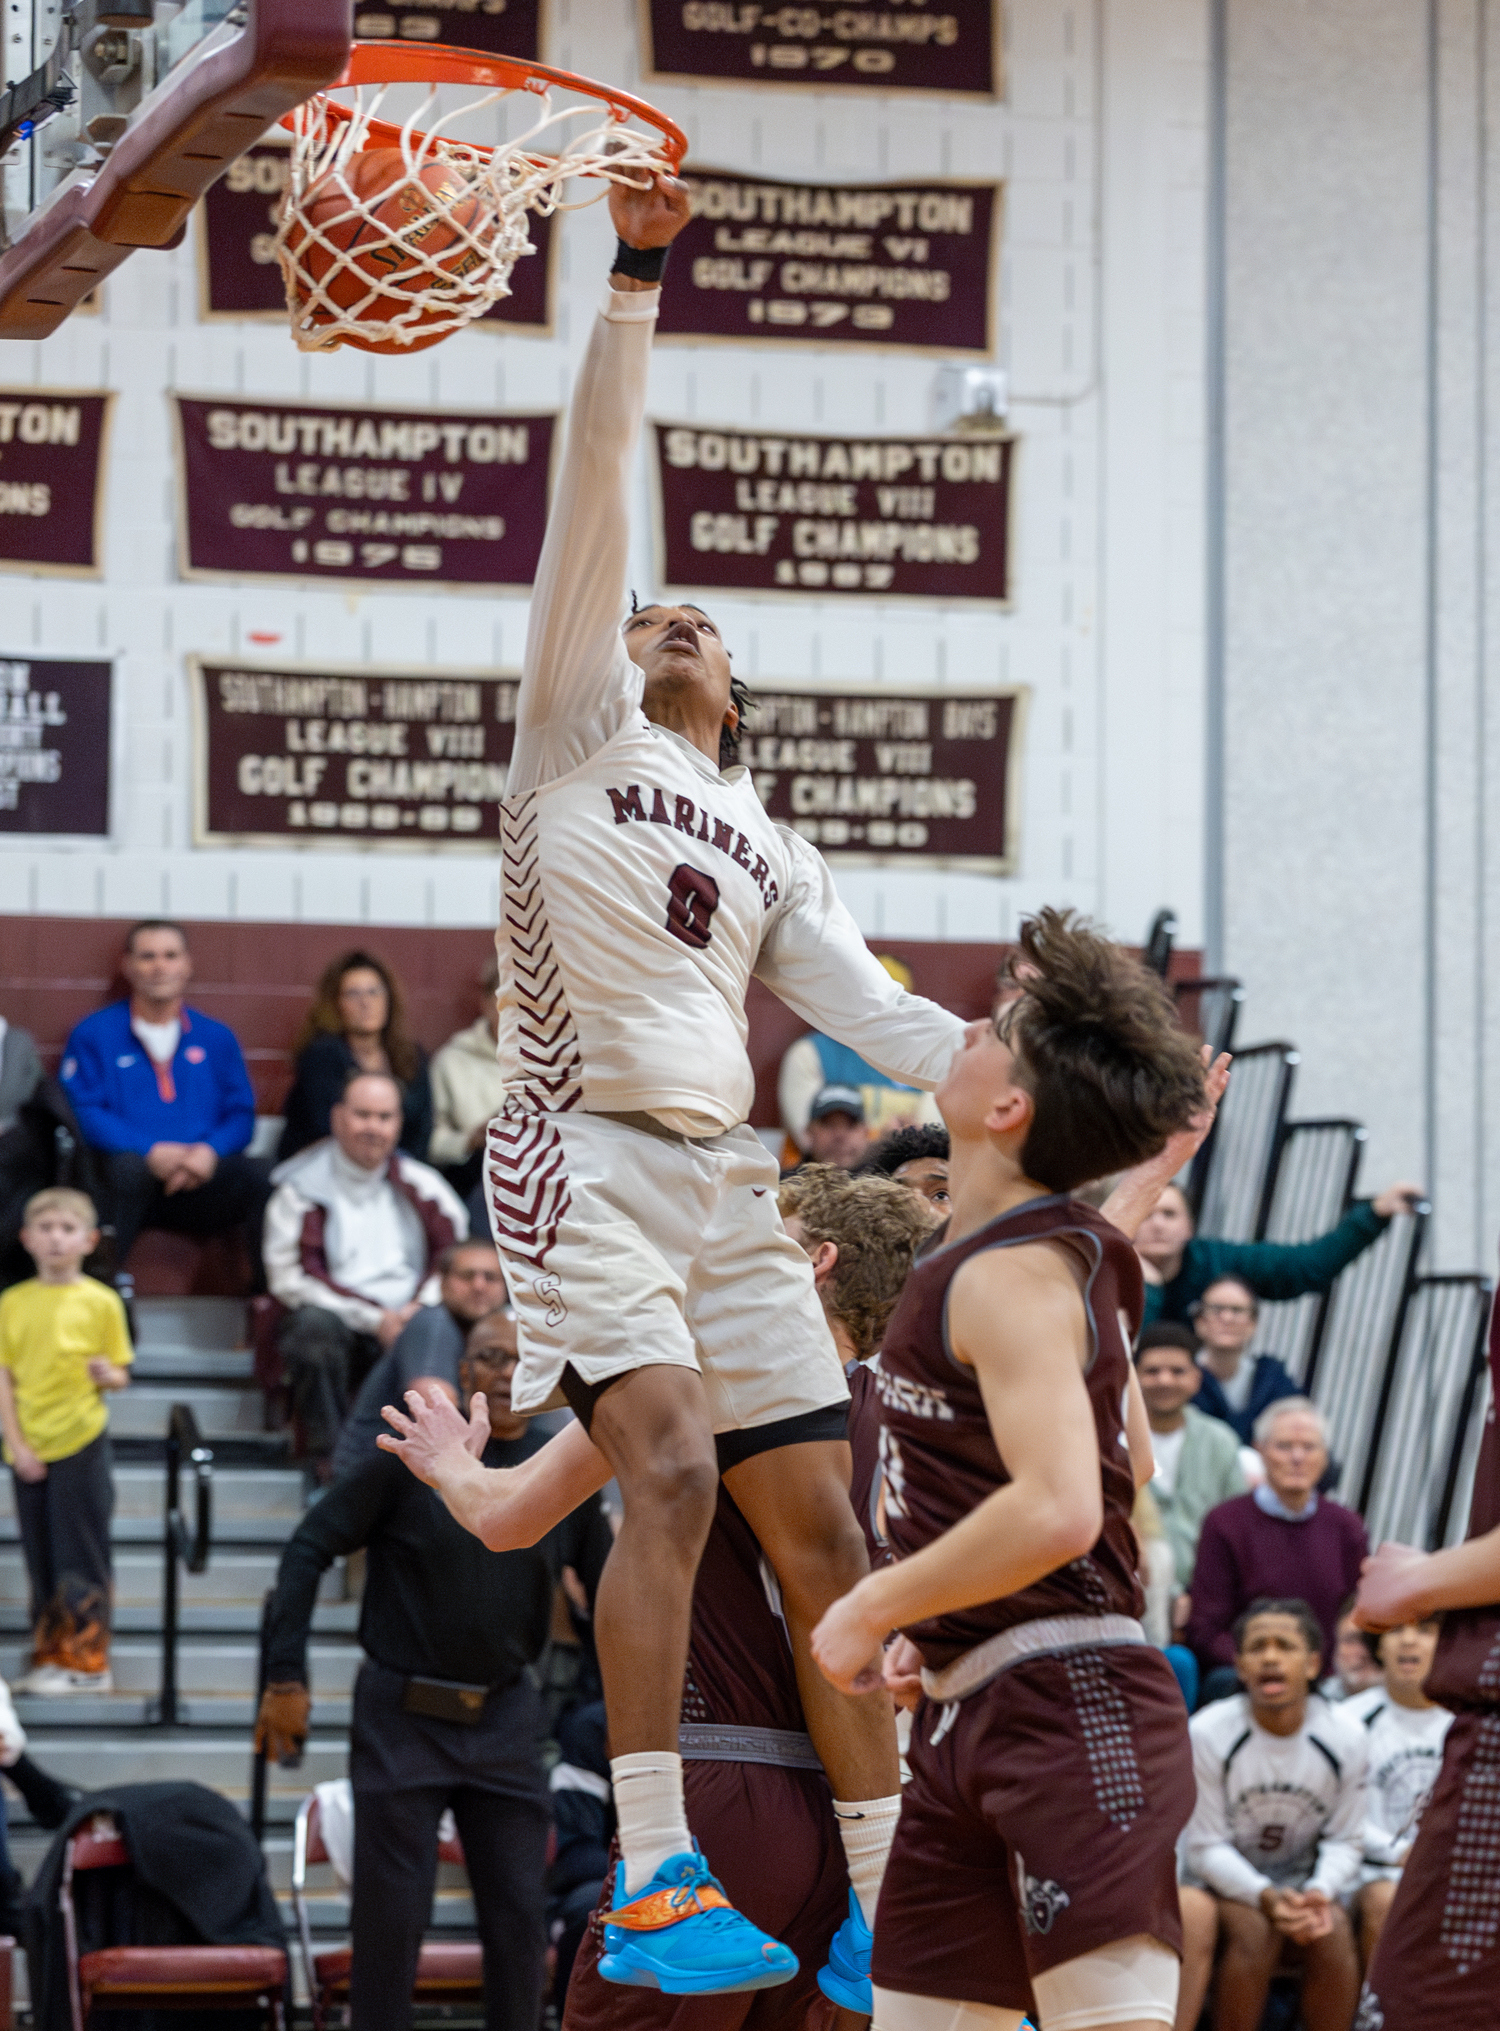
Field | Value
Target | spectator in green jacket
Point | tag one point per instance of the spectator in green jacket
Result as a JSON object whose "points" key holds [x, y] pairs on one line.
{"points": [[1180, 1265], [1197, 1457]]}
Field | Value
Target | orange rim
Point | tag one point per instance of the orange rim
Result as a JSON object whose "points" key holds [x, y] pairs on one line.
{"points": [[386, 63]]}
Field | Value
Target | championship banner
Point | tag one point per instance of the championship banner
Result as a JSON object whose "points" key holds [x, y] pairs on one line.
{"points": [[307, 755], [238, 275], [909, 517], [52, 454], [894, 48], [367, 496], [909, 265], [498, 27], [919, 777], [54, 746]]}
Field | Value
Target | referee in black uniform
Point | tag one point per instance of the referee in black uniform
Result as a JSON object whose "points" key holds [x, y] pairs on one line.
{"points": [[446, 1708]]}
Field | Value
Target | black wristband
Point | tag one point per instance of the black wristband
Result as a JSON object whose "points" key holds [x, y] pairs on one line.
{"points": [[641, 264]]}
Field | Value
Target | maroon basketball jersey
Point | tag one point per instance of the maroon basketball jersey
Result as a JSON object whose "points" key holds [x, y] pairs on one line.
{"points": [[939, 1457], [740, 1671], [1466, 1670]]}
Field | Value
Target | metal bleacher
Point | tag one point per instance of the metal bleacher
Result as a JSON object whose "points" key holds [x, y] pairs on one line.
{"points": [[1395, 1359]]}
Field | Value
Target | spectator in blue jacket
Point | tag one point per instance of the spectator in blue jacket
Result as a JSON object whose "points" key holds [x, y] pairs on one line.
{"points": [[1236, 1385], [162, 1094]]}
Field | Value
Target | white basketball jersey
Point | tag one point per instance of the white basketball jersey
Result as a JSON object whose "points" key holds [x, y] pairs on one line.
{"points": [[1286, 1810], [642, 889], [1404, 1752]]}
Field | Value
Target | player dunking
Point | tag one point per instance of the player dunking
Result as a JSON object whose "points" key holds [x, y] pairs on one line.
{"points": [[643, 886], [1438, 1957], [1034, 1865]]}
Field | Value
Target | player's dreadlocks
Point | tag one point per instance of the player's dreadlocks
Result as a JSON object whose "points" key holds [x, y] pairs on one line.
{"points": [[729, 743]]}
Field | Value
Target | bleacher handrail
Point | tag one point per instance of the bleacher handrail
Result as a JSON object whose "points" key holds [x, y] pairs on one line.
{"points": [[1243, 1144], [181, 1544], [1361, 1331], [1442, 1335], [1306, 1197]]}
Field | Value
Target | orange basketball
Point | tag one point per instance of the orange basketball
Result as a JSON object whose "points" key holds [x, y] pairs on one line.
{"points": [[415, 217]]}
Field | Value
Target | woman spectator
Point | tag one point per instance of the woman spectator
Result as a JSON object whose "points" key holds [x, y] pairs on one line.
{"points": [[357, 1020]]}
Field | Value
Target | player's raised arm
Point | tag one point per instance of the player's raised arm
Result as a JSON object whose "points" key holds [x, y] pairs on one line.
{"points": [[577, 682], [815, 960], [506, 1508]]}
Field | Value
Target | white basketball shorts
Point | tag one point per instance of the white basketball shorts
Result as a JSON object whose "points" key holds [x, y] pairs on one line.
{"points": [[624, 1249]]}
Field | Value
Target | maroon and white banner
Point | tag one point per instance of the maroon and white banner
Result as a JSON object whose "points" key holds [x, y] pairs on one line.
{"points": [[305, 754], [238, 275], [54, 746], [912, 517], [898, 47], [498, 27], [902, 778], [373, 496], [877, 264], [52, 457]]}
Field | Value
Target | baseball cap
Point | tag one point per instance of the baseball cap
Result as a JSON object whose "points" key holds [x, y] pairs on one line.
{"points": [[838, 1100]]}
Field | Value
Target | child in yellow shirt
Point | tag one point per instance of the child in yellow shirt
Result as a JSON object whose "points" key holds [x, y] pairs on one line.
{"points": [[64, 1343]]}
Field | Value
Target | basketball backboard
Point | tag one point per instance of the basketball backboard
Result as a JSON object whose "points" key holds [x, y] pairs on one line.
{"points": [[117, 116]]}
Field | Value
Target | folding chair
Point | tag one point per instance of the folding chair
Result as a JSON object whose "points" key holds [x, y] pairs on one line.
{"points": [[448, 1971], [159, 1977]]}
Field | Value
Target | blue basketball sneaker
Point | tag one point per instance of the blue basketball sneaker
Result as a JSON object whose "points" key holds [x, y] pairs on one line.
{"points": [[682, 1935], [846, 1978]]}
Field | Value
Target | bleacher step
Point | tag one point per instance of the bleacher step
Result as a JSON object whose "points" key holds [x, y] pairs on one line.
{"points": [[230, 1576], [222, 1410]]}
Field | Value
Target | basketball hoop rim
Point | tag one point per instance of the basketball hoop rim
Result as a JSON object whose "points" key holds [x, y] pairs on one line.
{"points": [[437, 63]]}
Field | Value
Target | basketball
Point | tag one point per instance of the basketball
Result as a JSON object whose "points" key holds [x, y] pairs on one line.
{"points": [[394, 226]]}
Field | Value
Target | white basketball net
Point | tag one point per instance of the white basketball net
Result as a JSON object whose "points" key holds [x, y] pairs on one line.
{"points": [[508, 181]]}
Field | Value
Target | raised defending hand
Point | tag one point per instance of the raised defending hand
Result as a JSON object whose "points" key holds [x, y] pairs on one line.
{"points": [[433, 1429], [1391, 1584], [650, 217]]}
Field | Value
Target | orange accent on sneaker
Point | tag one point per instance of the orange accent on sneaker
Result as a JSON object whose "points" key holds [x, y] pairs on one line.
{"points": [[667, 1907], [84, 1648]]}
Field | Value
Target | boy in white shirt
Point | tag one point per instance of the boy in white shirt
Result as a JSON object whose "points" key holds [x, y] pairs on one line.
{"points": [[1404, 1733], [1276, 1842]]}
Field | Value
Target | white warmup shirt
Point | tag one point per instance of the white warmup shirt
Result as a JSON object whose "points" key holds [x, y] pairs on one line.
{"points": [[642, 890], [1273, 1810], [1404, 1752]]}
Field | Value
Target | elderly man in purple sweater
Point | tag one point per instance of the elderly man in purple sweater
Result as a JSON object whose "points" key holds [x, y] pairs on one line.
{"points": [[1283, 1539]]}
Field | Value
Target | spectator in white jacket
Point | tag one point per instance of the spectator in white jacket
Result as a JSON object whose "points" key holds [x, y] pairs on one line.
{"points": [[1404, 1734], [1275, 1846], [353, 1233], [468, 1091]]}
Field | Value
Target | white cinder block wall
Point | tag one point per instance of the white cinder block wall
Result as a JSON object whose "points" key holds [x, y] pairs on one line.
{"points": [[1101, 144], [1361, 853]]}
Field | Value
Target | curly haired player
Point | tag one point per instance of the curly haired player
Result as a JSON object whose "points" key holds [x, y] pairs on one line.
{"points": [[656, 1291], [1034, 1865]]}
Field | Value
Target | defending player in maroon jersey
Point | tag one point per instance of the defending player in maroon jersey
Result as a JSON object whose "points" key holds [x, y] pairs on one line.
{"points": [[1438, 1960], [754, 1784], [1034, 1865]]}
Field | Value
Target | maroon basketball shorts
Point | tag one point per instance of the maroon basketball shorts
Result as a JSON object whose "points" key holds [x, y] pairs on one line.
{"points": [[770, 1837], [1438, 1961], [1040, 1823]]}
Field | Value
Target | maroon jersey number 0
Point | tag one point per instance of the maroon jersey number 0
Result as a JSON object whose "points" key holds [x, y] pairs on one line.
{"points": [[693, 896]]}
